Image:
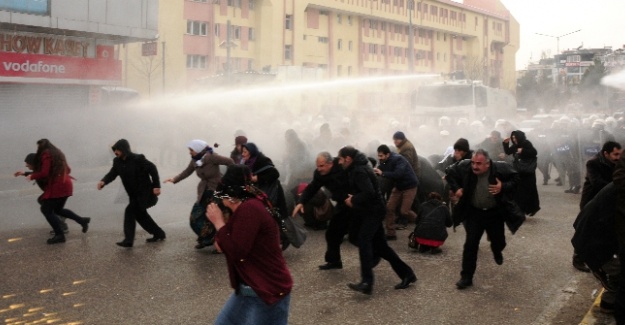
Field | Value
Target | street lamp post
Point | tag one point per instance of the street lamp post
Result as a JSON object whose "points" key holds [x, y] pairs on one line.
{"points": [[558, 38]]}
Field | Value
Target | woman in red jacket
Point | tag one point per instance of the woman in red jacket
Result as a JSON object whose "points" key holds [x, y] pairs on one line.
{"points": [[250, 241], [51, 166]]}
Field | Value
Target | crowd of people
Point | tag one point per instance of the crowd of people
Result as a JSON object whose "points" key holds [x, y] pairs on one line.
{"points": [[372, 192]]}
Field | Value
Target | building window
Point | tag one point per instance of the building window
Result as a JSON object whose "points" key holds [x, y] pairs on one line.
{"points": [[288, 52], [196, 27], [251, 4], [349, 20], [288, 22], [350, 45], [323, 39], [217, 29], [339, 44], [573, 58], [251, 35], [339, 18], [373, 48], [234, 3], [236, 32], [196, 61]]}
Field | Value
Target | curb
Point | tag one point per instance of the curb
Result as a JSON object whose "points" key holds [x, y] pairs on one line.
{"points": [[595, 317]]}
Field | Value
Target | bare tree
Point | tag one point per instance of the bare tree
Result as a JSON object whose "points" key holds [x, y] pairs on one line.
{"points": [[147, 66]]}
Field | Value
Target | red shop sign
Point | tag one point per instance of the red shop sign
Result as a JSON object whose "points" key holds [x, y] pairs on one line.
{"points": [[39, 66]]}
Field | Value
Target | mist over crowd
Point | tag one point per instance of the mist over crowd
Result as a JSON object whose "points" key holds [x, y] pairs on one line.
{"points": [[161, 127]]}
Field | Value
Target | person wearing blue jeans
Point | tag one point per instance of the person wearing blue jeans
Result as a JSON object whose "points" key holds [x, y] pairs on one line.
{"points": [[250, 241]]}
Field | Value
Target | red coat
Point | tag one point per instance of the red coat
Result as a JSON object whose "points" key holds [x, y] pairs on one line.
{"points": [[57, 186], [250, 241]]}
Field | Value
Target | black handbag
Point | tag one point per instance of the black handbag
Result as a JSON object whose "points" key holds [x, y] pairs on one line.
{"points": [[526, 166]]}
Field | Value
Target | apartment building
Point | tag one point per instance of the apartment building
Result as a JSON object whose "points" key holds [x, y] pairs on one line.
{"points": [[201, 39]]}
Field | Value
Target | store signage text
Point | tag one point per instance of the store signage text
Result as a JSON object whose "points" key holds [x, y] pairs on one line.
{"points": [[43, 45], [50, 67], [34, 67]]}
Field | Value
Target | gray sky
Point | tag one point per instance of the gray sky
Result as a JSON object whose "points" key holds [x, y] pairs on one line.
{"points": [[601, 22]]}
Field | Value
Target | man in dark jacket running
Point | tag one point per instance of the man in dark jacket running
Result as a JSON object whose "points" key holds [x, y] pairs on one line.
{"points": [[141, 181], [480, 186], [367, 205], [398, 170]]}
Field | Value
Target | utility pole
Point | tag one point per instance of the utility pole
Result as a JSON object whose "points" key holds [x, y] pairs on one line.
{"points": [[558, 38]]}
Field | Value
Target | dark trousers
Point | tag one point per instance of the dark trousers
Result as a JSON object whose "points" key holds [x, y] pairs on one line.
{"points": [[138, 213], [337, 229], [372, 243], [476, 222], [619, 303], [52, 208]]}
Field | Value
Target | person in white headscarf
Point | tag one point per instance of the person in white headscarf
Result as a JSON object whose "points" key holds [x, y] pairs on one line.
{"points": [[205, 162]]}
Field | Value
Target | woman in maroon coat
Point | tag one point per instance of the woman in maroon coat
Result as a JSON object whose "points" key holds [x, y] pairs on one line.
{"points": [[250, 241], [51, 167]]}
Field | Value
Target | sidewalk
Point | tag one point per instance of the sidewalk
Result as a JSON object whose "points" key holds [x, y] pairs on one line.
{"points": [[595, 317]]}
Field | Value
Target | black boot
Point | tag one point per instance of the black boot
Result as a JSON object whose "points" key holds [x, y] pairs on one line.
{"points": [[56, 239], [85, 224]]}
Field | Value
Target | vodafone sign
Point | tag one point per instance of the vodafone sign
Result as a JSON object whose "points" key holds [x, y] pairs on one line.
{"points": [[22, 67]]}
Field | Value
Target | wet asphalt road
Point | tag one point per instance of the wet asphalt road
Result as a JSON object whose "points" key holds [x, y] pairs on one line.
{"points": [[90, 280]]}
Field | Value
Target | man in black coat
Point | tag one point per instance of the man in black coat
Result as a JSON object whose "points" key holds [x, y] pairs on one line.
{"points": [[481, 186], [367, 205], [330, 174], [461, 152], [142, 184], [599, 171], [619, 227], [595, 243]]}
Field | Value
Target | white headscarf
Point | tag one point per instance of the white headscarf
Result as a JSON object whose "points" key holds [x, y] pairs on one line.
{"points": [[197, 145]]}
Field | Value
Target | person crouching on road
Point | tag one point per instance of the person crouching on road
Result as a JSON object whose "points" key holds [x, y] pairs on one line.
{"points": [[432, 223]]}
